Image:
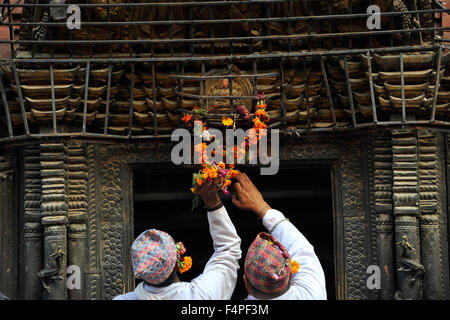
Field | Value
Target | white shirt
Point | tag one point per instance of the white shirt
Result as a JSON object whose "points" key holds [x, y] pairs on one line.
{"points": [[309, 282], [218, 280]]}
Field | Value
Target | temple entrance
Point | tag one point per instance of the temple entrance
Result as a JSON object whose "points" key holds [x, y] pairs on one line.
{"points": [[162, 200]]}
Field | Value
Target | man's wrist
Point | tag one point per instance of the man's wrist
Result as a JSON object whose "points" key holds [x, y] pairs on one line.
{"points": [[215, 206], [262, 209]]}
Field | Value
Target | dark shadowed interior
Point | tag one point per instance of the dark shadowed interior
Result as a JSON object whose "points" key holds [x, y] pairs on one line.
{"points": [[162, 200]]}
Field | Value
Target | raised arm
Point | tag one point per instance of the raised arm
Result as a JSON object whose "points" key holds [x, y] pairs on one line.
{"points": [[309, 281], [219, 277]]}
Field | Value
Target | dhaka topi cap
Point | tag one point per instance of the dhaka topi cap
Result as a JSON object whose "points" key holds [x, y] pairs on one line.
{"points": [[268, 265], [153, 256]]}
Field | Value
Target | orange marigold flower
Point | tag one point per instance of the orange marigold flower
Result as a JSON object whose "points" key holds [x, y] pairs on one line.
{"points": [[294, 266], [186, 118], [227, 121], [233, 173], [258, 124], [193, 190], [221, 164], [226, 184], [186, 264], [199, 181], [212, 173], [261, 113]]}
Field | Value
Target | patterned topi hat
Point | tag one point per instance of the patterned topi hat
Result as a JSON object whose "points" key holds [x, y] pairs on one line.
{"points": [[267, 265], [153, 256]]}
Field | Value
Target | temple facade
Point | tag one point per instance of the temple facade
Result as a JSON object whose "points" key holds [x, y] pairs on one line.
{"points": [[86, 108]]}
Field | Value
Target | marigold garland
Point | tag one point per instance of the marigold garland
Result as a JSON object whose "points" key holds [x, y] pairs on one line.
{"points": [[227, 121], [183, 264], [210, 171], [294, 266], [186, 264]]}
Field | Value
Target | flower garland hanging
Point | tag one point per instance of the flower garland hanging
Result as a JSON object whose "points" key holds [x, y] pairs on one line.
{"points": [[184, 263], [210, 171]]}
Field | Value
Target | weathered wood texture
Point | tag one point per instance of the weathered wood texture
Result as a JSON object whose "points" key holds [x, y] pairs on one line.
{"points": [[380, 181], [433, 221], [77, 169], [54, 218], [8, 226], [389, 202], [410, 272], [114, 164], [33, 231]]}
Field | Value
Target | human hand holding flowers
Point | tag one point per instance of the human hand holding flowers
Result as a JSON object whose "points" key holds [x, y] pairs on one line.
{"points": [[202, 180], [208, 191]]}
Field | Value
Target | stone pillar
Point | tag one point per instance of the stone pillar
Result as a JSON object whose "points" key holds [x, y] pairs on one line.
{"points": [[54, 218], [32, 227], [410, 272]]}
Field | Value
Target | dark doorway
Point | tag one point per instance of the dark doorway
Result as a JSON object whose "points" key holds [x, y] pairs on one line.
{"points": [[162, 200]]}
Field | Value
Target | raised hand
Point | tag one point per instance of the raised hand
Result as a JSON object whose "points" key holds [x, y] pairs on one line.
{"points": [[208, 191], [248, 197]]}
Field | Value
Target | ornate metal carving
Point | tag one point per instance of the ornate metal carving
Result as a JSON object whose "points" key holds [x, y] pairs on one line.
{"points": [[409, 263], [217, 87], [53, 270]]}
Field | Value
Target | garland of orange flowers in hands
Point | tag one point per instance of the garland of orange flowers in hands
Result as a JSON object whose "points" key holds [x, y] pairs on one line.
{"points": [[210, 171]]}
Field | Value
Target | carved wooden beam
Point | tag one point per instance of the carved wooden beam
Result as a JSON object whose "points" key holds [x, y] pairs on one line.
{"points": [[93, 281], [8, 226], [54, 218], [430, 183], [33, 230], [77, 170], [406, 212], [382, 213]]}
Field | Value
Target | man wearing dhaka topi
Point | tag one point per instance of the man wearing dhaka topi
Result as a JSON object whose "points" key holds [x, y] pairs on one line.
{"points": [[157, 259], [280, 264]]}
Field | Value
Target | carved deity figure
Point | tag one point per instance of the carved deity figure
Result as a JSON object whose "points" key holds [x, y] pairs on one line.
{"points": [[408, 259]]}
